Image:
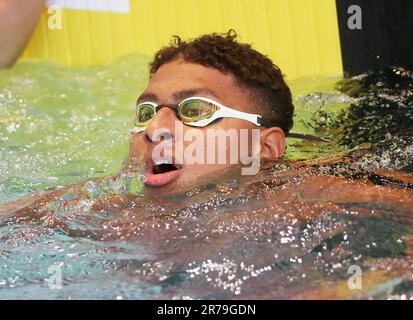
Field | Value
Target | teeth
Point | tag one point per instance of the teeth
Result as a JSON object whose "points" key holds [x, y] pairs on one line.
{"points": [[161, 161]]}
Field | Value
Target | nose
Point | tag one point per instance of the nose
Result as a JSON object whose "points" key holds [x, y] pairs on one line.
{"points": [[162, 126]]}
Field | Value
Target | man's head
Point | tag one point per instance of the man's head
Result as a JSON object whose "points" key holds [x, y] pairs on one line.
{"points": [[215, 67]]}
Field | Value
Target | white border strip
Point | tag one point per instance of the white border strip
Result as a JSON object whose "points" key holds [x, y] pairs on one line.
{"points": [[116, 6]]}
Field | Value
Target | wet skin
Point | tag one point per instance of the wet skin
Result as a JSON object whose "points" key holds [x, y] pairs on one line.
{"points": [[217, 219], [299, 184], [206, 199], [174, 82]]}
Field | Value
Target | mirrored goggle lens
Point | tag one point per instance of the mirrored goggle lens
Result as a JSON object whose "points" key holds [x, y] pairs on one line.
{"points": [[144, 113], [195, 110]]}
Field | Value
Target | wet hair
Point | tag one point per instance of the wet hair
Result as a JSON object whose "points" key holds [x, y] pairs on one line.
{"points": [[251, 69]]}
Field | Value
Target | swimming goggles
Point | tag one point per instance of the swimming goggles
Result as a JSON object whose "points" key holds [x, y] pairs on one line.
{"points": [[197, 112], [200, 112]]}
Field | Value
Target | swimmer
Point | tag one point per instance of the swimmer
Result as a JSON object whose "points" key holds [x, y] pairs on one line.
{"points": [[213, 83], [18, 20], [209, 84]]}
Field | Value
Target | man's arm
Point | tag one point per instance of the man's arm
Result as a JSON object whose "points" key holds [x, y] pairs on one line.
{"points": [[53, 194], [12, 206], [18, 19]]}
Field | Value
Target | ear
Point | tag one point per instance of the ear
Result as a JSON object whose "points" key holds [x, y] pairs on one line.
{"points": [[272, 144]]}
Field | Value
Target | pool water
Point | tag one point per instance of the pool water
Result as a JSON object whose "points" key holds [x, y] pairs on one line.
{"points": [[334, 220]]}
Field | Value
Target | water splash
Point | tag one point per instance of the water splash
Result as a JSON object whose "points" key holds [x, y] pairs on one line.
{"points": [[290, 232]]}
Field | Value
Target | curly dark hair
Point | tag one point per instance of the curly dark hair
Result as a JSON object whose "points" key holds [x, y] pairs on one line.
{"points": [[252, 70]]}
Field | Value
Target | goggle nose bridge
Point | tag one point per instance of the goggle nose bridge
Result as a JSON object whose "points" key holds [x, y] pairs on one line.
{"points": [[174, 107]]}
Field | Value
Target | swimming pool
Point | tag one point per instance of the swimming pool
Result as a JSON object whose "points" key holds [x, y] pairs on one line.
{"points": [[275, 235]]}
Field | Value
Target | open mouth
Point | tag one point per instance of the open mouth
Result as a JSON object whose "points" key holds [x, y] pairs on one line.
{"points": [[161, 173], [164, 168]]}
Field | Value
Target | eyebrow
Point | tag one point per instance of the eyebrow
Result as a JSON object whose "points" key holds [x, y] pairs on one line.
{"points": [[147, 97], [179, 95]]}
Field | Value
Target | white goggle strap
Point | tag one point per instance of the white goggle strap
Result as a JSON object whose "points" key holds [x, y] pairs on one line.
{"points": [[226, 112]]}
